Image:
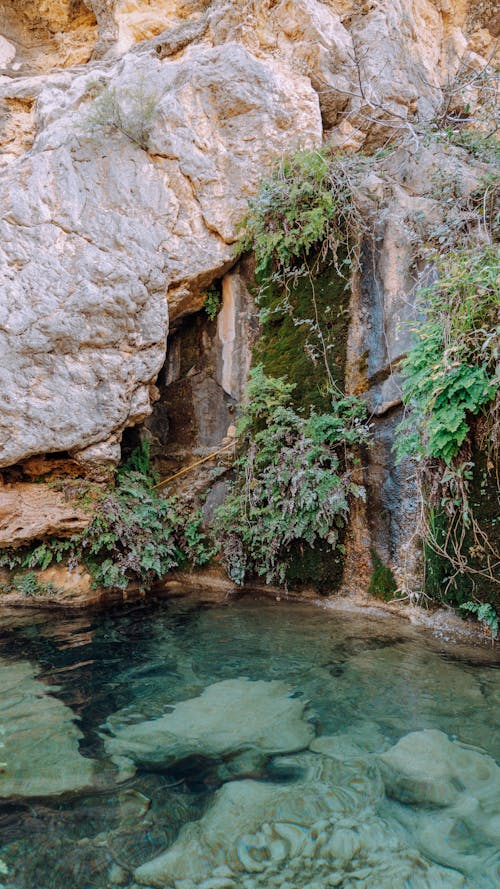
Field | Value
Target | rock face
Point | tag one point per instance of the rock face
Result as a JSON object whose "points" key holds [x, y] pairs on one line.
{"points": [[230, 718], [131, 137], [383, 310], [89, 248], [30, 512], [39, 748], [39, 35], [204, 377]]}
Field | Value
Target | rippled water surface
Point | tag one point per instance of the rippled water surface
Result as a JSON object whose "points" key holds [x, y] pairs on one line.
{"points": [[335, 815]]}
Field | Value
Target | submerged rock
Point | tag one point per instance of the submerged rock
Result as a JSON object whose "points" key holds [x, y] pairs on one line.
{"points": [[228, 719], [39, 739], [317, 832], [458, 788], [426, 767]]}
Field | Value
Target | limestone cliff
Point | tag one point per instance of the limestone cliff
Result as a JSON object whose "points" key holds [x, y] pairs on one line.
{"points": [[132, 135]]}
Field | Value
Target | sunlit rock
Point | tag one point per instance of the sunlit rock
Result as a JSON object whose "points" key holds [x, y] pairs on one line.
{"points": [[228, 719], [90, 247]]}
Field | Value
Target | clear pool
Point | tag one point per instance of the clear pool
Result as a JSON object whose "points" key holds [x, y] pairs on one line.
{"points": [[331, 817]]}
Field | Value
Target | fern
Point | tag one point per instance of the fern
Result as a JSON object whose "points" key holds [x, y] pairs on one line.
{"points": [[293, 481], [485, 614]]}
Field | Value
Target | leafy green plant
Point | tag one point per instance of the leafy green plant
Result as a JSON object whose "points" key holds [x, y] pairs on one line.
{"points": [[481, 146], [451, 372], [139, 536], [139, 462], [212, 302], [485, 614], [306, 205], [451, 387], [136, 536], [293, 481], [29, 585]]}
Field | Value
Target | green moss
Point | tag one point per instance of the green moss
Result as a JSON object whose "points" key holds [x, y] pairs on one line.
{"points": [[289, 346], [382, 583], [321, 566]]}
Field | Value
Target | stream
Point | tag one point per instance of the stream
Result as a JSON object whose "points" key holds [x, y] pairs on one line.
{"points": [[316, 750]]}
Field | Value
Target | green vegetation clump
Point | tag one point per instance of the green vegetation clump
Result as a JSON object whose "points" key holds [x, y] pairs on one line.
{"points": [[293, 480], [212, 302], [382, 582], [285, 516], [128, 110], [451, 387], [137, 536], [485, 614], [28, 585], [451, 372], [296, 209], [485, 148]]}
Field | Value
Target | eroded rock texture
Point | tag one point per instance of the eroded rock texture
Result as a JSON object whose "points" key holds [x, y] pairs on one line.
{"points": [[321, 830], [132, 135], [97, 228]]}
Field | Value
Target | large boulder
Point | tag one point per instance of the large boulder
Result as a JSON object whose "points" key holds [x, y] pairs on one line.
{"points": [[135, 184], [228, 719]]}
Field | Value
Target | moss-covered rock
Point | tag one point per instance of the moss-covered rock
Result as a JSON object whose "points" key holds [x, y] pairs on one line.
{"points": [[289, 345]]}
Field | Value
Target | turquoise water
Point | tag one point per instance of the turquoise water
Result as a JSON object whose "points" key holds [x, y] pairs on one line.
{"points": [[363, 684]]}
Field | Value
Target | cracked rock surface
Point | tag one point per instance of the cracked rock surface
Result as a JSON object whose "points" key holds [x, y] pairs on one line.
{"points": [[95, 230]]}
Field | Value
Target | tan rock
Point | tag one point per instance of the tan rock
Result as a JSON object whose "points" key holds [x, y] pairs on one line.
{"points": [[140, 21], [75, 583], [45, 34], [17, 124], [34, 511]]}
